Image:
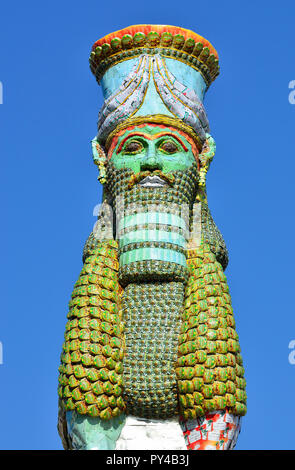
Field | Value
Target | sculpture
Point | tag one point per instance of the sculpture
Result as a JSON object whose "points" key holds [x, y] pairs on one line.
{"points": [[150, 344]]}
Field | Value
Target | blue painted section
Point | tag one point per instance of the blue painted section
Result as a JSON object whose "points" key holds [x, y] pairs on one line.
{"points": [[114, 76], [153, 103], [190, 77], [152, 236], [152, 218], [187, 76], [94, 433]]}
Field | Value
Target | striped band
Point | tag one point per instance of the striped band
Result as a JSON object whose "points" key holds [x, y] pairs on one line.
{"points": [[152, 236], [160, 254], [152, 218]]}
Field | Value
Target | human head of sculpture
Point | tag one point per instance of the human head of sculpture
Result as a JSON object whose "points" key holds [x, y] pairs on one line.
{"points": [[157, 146], [153, 74]]}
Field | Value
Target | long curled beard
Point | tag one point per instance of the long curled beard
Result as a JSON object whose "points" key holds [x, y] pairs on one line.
{"points": [[152, 223]]}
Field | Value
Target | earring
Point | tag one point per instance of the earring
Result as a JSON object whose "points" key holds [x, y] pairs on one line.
{"points": [[205, 157], [99, 158]]}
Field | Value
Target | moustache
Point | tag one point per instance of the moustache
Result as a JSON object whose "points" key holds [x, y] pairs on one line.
{"points": [[138, 177]]}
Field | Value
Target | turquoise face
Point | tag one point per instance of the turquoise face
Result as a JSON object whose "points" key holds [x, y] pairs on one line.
{"points": [[152, 148]]}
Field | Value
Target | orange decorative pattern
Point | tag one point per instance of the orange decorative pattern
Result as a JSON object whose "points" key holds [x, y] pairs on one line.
{"points": [[175, 42], [142, 126], [158, 120], [147, 28]]}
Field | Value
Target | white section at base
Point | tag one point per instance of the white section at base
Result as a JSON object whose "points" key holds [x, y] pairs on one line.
{"points": [[147, 434]]}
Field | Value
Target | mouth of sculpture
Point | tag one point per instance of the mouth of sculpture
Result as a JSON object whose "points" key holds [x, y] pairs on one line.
{"points": [[152, 182], [148, 179]]}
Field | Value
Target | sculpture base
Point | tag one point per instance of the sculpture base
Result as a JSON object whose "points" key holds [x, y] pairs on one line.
{"points": [[147, 434]]}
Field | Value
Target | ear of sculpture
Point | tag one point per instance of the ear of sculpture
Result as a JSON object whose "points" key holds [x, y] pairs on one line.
{"points": [[99, 158], [205, 158]]}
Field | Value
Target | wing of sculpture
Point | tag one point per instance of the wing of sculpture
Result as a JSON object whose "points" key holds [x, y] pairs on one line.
{"points": [[151, 358]]}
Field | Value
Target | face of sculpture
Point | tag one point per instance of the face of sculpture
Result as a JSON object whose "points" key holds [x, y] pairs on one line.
{"points": [[152, 147]]}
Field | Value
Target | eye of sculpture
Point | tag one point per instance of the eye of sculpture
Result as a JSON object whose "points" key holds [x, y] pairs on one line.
{"points": [[133, 146], [169, 146]]}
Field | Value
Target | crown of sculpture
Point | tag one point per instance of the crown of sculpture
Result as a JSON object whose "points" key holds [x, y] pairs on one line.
{"points": [[173, 42], [150, 70]]}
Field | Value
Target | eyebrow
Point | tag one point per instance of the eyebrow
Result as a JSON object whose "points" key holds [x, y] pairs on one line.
{"points": [[152, 137]]}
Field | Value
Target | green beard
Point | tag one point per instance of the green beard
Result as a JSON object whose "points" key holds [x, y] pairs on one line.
{"points": [[169, 203]]}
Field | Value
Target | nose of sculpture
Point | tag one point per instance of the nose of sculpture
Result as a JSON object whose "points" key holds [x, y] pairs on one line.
{"points": [[151, 161]]}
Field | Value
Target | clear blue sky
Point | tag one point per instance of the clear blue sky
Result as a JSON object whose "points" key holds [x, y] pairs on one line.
{"points": [[48, 116]]}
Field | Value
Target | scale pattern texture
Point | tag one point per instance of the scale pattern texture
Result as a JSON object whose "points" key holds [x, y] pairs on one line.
{"points": [[209, 367], [99, 375], [152, 315], [91, 361]]}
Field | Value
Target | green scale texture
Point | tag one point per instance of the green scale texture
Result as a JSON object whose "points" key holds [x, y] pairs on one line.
{"points": [[99, 376], [152, 318], [209, 367], [90, 379]]}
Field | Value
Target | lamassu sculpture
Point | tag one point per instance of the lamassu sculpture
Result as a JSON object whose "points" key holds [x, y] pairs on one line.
{"points": [[151, 358]]}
